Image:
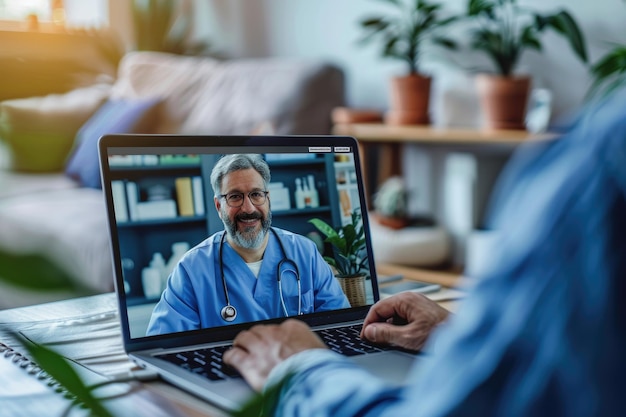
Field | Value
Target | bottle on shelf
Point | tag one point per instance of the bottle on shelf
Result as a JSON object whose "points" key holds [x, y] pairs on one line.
{"points": [[299, 194], [315, 198], [307, 193], [152, 276], [178, 250]]}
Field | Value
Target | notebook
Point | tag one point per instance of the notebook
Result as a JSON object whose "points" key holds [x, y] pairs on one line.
{"points": [[160, 205]]}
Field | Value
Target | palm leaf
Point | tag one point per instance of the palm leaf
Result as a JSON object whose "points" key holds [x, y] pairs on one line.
{"points": [[565, 24]]}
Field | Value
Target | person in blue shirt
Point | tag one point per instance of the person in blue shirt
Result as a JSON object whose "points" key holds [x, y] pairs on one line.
{"points": [[250, 271], [542, 331]]}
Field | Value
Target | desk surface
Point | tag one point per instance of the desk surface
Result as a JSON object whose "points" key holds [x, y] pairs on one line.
{"points": [[91, 323], [91, 326]]}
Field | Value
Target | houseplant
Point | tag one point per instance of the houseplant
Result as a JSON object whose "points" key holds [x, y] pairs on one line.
{"points": [[391, 203], [403, 33], [349, 257], [503, 30]]}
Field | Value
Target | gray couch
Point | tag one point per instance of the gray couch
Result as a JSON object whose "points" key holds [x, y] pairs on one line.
{"points": [[43, 211]]}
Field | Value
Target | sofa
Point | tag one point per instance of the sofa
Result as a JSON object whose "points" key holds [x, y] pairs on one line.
{"points": [[51, 203]]}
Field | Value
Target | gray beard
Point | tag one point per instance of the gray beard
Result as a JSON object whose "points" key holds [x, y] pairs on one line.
{"points": [[244, 238]]}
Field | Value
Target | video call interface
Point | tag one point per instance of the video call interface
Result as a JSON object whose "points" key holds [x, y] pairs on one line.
{"points": [[163, 205]]}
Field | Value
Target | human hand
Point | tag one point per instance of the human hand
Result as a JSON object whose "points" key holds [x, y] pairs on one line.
{"points": [[405, 320], [257, 351]]}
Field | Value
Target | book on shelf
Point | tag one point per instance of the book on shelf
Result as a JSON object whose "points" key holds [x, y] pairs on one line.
{"points": [[132, 198], [118, 188], [198, 195], [184, 196], [154, 210]]}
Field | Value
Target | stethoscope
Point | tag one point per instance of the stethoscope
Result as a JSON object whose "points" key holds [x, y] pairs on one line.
{"points": [[229, 312]]}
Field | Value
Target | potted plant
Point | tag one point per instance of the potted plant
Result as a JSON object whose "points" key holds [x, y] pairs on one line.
{"points": [[349, 258], [391, 203], [403, 35], [503, 31]]}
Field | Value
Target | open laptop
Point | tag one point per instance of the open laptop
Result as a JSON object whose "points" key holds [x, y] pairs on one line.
{"points": [[160, 203]]}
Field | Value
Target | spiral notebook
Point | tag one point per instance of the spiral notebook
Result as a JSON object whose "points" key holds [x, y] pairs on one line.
{"points": [[27, 390]]}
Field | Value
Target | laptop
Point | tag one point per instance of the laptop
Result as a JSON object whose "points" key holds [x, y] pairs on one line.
{"points": [[160, 204]]}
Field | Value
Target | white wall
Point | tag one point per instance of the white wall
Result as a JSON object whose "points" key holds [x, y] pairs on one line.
{"points": [[328, 29]]}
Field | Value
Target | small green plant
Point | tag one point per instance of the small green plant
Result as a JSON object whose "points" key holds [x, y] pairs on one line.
{"points": [[404, 32], [504, 30], [348, 244], [391, 200]]}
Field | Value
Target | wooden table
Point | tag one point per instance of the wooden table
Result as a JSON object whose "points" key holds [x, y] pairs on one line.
{"points": [[89, 316]]}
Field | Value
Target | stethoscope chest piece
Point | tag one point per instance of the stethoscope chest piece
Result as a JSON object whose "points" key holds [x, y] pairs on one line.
{"points": [[229, 313]]}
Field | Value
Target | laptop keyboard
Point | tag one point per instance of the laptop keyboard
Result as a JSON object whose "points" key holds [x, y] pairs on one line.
{"points": [[207, 362], [347, 341]]}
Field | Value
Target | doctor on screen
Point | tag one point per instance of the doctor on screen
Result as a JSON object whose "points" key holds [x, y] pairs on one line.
{"points": [[250, 271]]}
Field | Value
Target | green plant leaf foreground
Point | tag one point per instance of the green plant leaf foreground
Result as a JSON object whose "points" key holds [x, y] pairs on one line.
{"points": [[262, 404], [60, 370], [33, 272]]}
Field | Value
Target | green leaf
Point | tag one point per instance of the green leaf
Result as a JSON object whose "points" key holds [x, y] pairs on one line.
{"points": [[477, 7], [608, 72], [565, 24], [262, 404], [34, 272], [60, 370], [326, 229], [529, 38]]}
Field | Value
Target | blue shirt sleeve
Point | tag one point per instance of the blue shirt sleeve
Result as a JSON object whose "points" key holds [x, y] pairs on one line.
{"points": [[543, 331]]}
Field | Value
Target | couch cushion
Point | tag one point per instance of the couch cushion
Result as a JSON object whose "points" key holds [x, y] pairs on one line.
{"points": [[40, 131], [115, 116], [205, 96], [296, 96], [178, 81]]}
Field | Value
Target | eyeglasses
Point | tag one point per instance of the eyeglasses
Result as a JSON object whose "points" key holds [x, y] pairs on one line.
{"points": [[235, 200]]}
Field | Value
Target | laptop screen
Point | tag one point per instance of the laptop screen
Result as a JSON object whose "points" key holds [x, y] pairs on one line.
{"points": [[262, 246]]}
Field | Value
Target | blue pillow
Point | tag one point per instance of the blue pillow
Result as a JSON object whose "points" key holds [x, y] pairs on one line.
{"points": [[114, 116]]}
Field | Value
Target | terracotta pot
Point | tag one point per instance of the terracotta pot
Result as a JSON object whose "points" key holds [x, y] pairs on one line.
{"points": [[409, 100], [503, 100], [395, 223]]}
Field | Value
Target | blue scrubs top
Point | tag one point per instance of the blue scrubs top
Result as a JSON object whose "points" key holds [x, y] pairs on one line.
{"points": [[194, 296]]}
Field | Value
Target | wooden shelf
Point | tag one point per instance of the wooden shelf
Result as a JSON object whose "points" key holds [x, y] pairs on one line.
{"points": [[383, 133]]}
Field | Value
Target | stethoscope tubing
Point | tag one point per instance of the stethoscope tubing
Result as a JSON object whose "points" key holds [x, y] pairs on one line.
{"points": [[229, 312]]}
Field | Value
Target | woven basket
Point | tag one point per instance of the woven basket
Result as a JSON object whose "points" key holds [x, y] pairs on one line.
{"points": [[354, 288]]}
